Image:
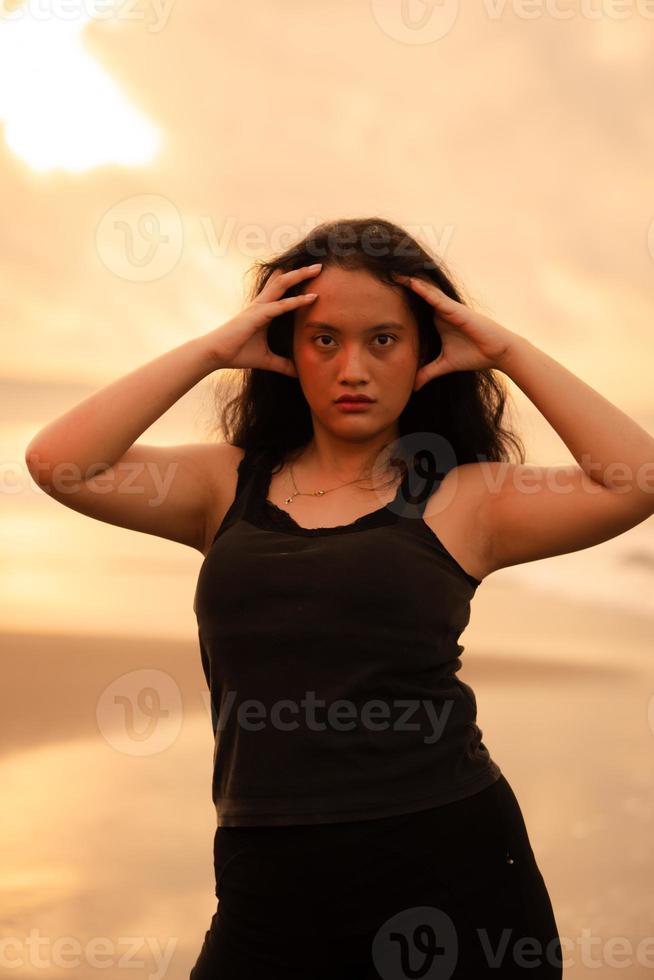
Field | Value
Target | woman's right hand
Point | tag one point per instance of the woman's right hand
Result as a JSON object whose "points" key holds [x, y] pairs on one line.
{"points": [[241, 341]]}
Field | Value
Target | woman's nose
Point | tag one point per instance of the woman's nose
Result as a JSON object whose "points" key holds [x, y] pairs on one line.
{"points": [[351, 365]]}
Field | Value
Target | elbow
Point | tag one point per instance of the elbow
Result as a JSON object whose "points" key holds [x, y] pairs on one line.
{"points": [[37, 463]]}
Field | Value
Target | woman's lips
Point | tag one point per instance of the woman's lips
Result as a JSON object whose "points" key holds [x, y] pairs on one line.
{"points": [[353, 406]]}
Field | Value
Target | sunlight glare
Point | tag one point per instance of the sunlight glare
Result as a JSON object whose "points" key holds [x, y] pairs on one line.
{"points": [[59, 106]]}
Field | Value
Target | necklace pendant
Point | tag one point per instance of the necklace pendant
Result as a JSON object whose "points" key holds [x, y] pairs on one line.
{"points": [[288, 500], [318, 493]]}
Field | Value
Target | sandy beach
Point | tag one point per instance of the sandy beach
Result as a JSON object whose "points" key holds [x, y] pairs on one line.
{"points": [[108, 836]]}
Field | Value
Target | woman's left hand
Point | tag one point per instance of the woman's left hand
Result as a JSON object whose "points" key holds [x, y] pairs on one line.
{"points": [[470, 340]]}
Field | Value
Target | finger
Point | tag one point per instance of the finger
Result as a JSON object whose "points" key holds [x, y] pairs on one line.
{"points": [[283, 365], [291, 302], [281, 281], [419, 380], [429, 291], [274, 307], [435, 369]]}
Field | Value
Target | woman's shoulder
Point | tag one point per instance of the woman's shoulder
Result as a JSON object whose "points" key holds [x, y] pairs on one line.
{"points": [[224, 463], [223, 460], [452, 512], [227, 464]]}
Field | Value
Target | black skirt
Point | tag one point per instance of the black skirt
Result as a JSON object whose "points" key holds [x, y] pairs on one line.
{"points": [[453, 891]]}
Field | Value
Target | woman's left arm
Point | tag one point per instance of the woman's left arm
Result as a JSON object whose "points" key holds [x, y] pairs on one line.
{"points": [[541, 511], [609, 446], [527, 512]]}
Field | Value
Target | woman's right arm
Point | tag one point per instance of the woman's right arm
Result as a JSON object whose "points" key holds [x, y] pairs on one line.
{"points": [[89, 460]]}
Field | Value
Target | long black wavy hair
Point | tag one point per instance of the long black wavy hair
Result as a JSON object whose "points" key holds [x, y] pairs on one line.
{"points": [[269, 413]]}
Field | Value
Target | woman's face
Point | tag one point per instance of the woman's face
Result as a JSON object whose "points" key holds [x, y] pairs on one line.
{"points": [[358, 337]]}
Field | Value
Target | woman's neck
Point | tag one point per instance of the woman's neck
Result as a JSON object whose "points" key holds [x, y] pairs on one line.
{"points": [[323, 465]]}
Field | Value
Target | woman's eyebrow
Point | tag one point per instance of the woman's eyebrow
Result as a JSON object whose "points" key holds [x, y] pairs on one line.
{"points": [[386, 325]]}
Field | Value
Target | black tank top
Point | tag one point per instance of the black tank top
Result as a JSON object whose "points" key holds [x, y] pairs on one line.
{"points": [[330, 655]]}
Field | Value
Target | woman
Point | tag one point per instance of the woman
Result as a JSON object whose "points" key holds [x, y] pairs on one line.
{"points": [[363, 829]]}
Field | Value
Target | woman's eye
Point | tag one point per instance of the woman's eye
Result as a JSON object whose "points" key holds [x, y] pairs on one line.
{"points": [[325, 336]]}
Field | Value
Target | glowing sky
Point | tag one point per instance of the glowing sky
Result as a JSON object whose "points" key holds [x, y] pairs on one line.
{"points": [[150, 154]]}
